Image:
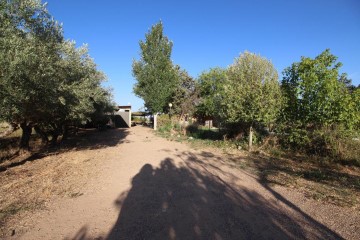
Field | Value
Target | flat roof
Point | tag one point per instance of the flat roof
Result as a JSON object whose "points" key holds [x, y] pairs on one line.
{"points": [[138, 114], [123, 107]]}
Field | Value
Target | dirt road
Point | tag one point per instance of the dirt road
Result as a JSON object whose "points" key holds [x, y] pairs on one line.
{"points": [[147, 187]]}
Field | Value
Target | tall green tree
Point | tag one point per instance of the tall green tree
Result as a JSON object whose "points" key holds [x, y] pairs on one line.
{"points": [[185, 96], [316, 94], [252, 92], [155, 73], [350, 113], [211, 91]]}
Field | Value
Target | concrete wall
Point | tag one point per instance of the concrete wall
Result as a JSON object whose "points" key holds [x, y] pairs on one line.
{"points": [[126, 116], [122, 117]]}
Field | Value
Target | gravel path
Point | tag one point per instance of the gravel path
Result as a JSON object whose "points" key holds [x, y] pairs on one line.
{"points": [[151, 188]]}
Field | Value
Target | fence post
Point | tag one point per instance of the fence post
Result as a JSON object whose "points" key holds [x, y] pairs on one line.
{"points": [[155, 121]]}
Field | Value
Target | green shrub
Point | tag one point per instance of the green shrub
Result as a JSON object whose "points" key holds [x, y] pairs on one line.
{"points": [[163, 120], [295, 139], [177, 127], [164, 128], [343, 145], [336, 143], [192, 129]]}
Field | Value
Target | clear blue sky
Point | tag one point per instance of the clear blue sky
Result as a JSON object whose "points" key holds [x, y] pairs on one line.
{"points": [[211, 33]]}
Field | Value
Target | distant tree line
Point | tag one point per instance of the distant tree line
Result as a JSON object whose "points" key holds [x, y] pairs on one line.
{"points": [[46, 82], [312, 100]]}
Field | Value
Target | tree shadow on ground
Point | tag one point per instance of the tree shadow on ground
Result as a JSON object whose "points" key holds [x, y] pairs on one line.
{"points": [[205, 134], [9, 148], [325, 174], [185, 201], [85, 139]]}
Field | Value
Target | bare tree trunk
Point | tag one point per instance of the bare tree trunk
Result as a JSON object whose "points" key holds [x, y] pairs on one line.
{"points": [[250, 138], [12, 128], [54, 138], [25, 137], [44, 137], [65, 132]]}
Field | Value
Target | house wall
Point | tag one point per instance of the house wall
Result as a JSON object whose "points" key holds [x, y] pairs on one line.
{"points": [[127, 117], [122, 117]]}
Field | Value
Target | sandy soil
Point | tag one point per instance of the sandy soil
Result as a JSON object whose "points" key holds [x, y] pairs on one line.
{"points": [[145, 187]]}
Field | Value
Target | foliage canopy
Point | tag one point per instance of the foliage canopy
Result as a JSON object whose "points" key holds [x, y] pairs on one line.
{"points": [[316, 94], [45, 81], [252, 92], [155, 73]]}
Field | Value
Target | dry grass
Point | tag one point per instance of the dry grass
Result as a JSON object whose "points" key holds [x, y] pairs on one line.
{"points": [[9, 148], [323, 181], [8, 144], [35, 183], [43, 176], [3, 127]]}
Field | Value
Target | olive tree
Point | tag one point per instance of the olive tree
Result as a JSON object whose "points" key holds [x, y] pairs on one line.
{"points": [[45, 82], [29, 40], [79, 95]]}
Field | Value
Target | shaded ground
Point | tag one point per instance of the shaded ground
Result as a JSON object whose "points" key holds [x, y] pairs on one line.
{"points": [[145, 187], [184, 202]]}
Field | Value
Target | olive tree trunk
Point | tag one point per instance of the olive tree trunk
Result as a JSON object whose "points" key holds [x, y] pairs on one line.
{"points": [[25, 136], [42, 134]]}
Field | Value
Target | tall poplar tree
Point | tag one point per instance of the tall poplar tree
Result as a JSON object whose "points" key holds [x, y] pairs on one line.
{"points": [[155, 73]]}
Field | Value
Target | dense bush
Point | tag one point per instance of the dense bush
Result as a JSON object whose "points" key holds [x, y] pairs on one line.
{"points": [[336, 143], [197, 132], [163, 123], [343, 145], [294, 138]]}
